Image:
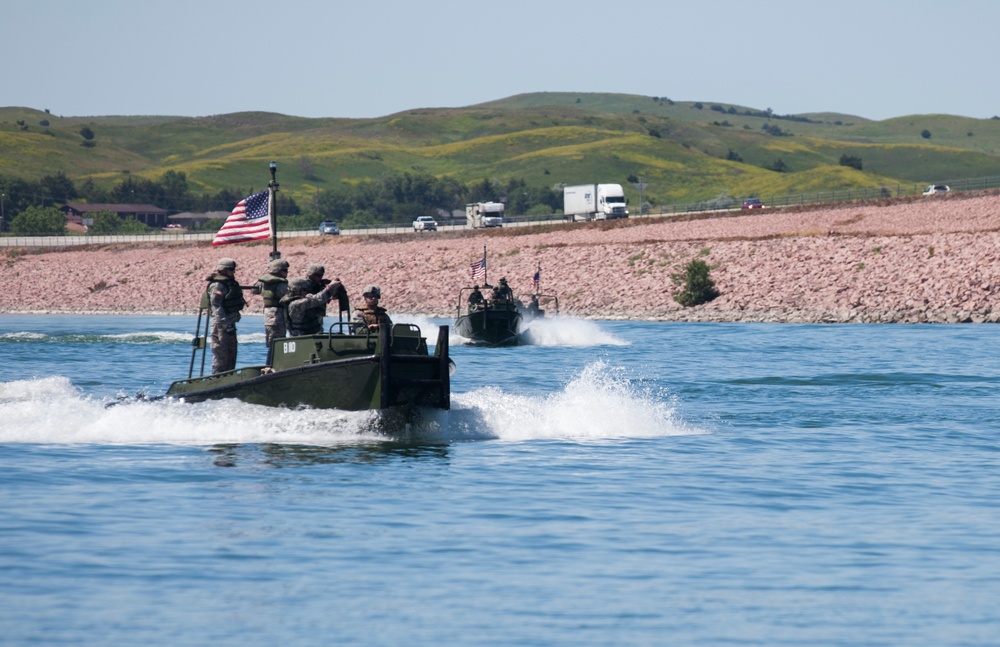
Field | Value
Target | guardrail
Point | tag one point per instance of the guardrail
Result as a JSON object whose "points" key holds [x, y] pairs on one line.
{"points": [[719, 204]]}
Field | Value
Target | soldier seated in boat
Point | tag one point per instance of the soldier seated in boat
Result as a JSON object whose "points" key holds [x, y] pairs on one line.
{"points": [[303, 311], [371, 317], [476, 300]]}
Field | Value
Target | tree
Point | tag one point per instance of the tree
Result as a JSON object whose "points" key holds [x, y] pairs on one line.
{"points": [[694, 286], [852, 161], [108, 222], [86, 133], [39, 221], [105, 222], [733, 156], [779, 166], [58, 187], [926, 134], [174, 191]]}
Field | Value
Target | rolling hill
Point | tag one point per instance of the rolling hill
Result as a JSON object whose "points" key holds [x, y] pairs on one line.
{"points": [[685, 151]]}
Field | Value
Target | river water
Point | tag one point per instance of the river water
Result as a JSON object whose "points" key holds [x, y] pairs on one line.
{"points": [[613, 483]]}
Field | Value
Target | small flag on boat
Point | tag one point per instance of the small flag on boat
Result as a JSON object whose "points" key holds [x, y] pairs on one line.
{"points": [[537, 278], [248, 221], [479, 270]]}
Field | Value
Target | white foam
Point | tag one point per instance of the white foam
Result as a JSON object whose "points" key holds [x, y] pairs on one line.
{"points": [[600, 403], [566, 331]]}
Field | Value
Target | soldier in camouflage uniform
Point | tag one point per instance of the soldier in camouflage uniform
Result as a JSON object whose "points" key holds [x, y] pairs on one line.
{"points": [[225, 300], [304, 311], [371, 317], [272, 287]]}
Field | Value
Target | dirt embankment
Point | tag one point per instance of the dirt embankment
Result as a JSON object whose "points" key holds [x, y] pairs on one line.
{"points": [[934, 260]]}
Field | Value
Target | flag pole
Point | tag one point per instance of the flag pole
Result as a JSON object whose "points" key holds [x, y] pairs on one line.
{"points": [[486, 281], [272, 190]]}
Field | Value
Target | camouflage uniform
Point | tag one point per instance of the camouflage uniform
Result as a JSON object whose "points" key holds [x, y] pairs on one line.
{"points": [[273, 286], [304, 312], [476, 300], [225, 300], [314, 274], [371, 316], [505, 292]]}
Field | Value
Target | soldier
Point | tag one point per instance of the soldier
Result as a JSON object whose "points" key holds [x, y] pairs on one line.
{"points": [[476, 300], [272, 287], [314, 274], [225, 300], [304, 311], [504, 290], [372, 316]]}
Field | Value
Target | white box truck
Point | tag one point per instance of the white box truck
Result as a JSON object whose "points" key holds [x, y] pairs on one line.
{"points": [[484, 214], [594, 202]]}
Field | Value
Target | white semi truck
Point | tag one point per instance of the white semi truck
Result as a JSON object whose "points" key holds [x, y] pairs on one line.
{"points": [[484, 214], [594, 202]]}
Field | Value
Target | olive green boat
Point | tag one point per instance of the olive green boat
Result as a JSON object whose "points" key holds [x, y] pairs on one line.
{"points": [[348, 367], [341, 369], [488, 323]]}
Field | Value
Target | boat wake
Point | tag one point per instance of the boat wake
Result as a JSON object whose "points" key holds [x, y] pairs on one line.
{"points": [[549, 331], [566, 331], [600, 403]]}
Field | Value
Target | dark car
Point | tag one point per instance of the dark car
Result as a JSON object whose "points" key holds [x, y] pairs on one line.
{"points": [[328, 227], [753, 203]]}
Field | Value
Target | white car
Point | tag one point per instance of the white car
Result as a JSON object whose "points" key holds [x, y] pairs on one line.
{"points": [[937, 189], [425, 223]]}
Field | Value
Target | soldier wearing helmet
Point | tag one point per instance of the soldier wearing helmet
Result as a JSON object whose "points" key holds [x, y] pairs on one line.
{"points": [[371, 317], [272, 286], [224, 300], [304, 311], [476, 300]]}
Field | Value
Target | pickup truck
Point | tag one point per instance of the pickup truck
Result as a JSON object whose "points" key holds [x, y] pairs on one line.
{"points": [[425, 223]]}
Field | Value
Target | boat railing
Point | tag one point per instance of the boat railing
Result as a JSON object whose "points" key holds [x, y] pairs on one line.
{"points": [[538, 303], [407, 337]]}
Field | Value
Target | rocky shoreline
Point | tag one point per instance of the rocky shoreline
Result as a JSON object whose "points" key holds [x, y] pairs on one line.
{"points": [[910, 261]]}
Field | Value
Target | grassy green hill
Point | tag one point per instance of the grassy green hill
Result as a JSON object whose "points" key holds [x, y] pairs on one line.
{"points": [[546, 139]]}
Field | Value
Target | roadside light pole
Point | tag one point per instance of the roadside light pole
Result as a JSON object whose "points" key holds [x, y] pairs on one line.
{"points": [[2, 218], [272, 188], [640, 185]]}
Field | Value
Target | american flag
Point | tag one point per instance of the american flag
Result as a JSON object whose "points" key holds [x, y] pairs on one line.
{"points": [[479, 271], [248, 221]]}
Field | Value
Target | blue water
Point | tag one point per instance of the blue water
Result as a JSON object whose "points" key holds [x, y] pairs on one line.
{"points": [[614, 483]]}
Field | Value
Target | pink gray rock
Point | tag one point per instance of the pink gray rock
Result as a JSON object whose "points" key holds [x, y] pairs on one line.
{"points": [[934, 260]]}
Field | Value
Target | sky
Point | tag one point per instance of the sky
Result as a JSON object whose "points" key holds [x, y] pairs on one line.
{"points": [[320, 58]]}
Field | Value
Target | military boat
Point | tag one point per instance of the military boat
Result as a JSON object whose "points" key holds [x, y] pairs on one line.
{"points": [[344, 368], [348, 367], [538, 304], [490, 322]]}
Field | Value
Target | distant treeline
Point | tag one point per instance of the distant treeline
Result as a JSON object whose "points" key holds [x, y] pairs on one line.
{"points": [[395, 198]]}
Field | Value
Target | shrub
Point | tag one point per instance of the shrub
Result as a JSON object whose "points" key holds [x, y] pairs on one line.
{"points": [[695, 287], [853, 161]]}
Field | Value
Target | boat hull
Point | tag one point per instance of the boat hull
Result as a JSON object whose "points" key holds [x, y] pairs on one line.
{"points": [[333, 371], [490, 326]]}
